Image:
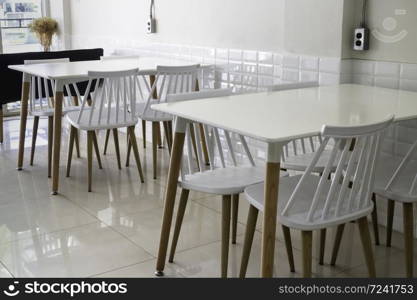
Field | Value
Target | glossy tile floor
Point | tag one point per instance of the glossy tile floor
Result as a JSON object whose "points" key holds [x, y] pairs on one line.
{"points": [[114, 231]]}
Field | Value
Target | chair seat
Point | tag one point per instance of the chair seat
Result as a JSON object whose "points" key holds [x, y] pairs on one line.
{"points": [[48, 112], [300, 162], [151, 115], [224, 181], [400, 190], [84, 124], [297, 215]]}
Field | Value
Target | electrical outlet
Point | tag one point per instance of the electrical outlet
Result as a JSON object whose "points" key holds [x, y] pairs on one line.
{"points": [[151, 26], [361, 39]]}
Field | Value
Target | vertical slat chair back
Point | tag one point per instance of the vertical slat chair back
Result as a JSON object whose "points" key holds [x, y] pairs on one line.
{"points": [[172, 80], [355, 152], [304, 145], [42, 90], [401, 144], [141, 83], [113, 99], [219, 141]]}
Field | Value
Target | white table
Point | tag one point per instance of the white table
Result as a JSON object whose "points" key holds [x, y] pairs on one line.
{"points": [[70, 72], [276, 118]]}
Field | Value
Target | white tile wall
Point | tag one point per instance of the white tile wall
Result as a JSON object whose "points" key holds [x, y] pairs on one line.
{"points": [[385, 74], [249, 70]]}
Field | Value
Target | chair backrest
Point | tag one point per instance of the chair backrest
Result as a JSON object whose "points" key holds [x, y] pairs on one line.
{"points": [[219, 141], [42, 90], [114, 102], [298, 146], [401, 145], [172, 80], [355, 152]]}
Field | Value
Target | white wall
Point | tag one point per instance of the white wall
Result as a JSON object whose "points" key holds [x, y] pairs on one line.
{"points": [[296, 26], [314, 27], [61, 11], [244, 24], [383, 12]]}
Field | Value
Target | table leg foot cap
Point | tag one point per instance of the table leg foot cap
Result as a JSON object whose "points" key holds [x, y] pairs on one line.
{"points": [[159, 273]]}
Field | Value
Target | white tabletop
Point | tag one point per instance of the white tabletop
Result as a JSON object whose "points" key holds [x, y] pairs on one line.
{"points": [[80, 69], [286, 115]]}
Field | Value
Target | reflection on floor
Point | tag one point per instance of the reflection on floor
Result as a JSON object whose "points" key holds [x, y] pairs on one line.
{"points": [[114, 231]]}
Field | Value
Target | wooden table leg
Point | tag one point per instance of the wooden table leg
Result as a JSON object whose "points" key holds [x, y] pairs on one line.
{"points": [[170, 192], [59, 96], [23, 119], [270, 209]]}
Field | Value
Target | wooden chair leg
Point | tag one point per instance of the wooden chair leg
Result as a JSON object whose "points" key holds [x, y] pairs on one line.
{"points": [[288, 245], [204, 144], [235, 214], [34, 136], [1, 124], [167, 136], [307, 248], [367, 246], [159, 135], [375, 220], [247, 245], [90, 138], [226, 207], [129, 149], [50, 144], [194, 143], [96, 149], [144, 133], [155, 129], [73, 133], [322, 245], [106, 142], [77, 143], [178, 223], [390, 219], [132, 139], [336, 245], [171, 137], [408, 220], [116, 145]]}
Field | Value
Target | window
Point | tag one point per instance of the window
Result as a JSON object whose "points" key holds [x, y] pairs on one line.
{"points": [[15, 16]]}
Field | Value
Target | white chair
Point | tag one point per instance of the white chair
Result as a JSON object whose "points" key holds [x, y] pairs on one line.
{"points": [[309, 202], [221, 178], [113, 106], [41, 104], [112, 58], [396, 180], [297, 156], [168, 80]]}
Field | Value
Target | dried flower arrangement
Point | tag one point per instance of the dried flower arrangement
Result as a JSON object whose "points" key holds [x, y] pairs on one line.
{"points": [[44, 28]]}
